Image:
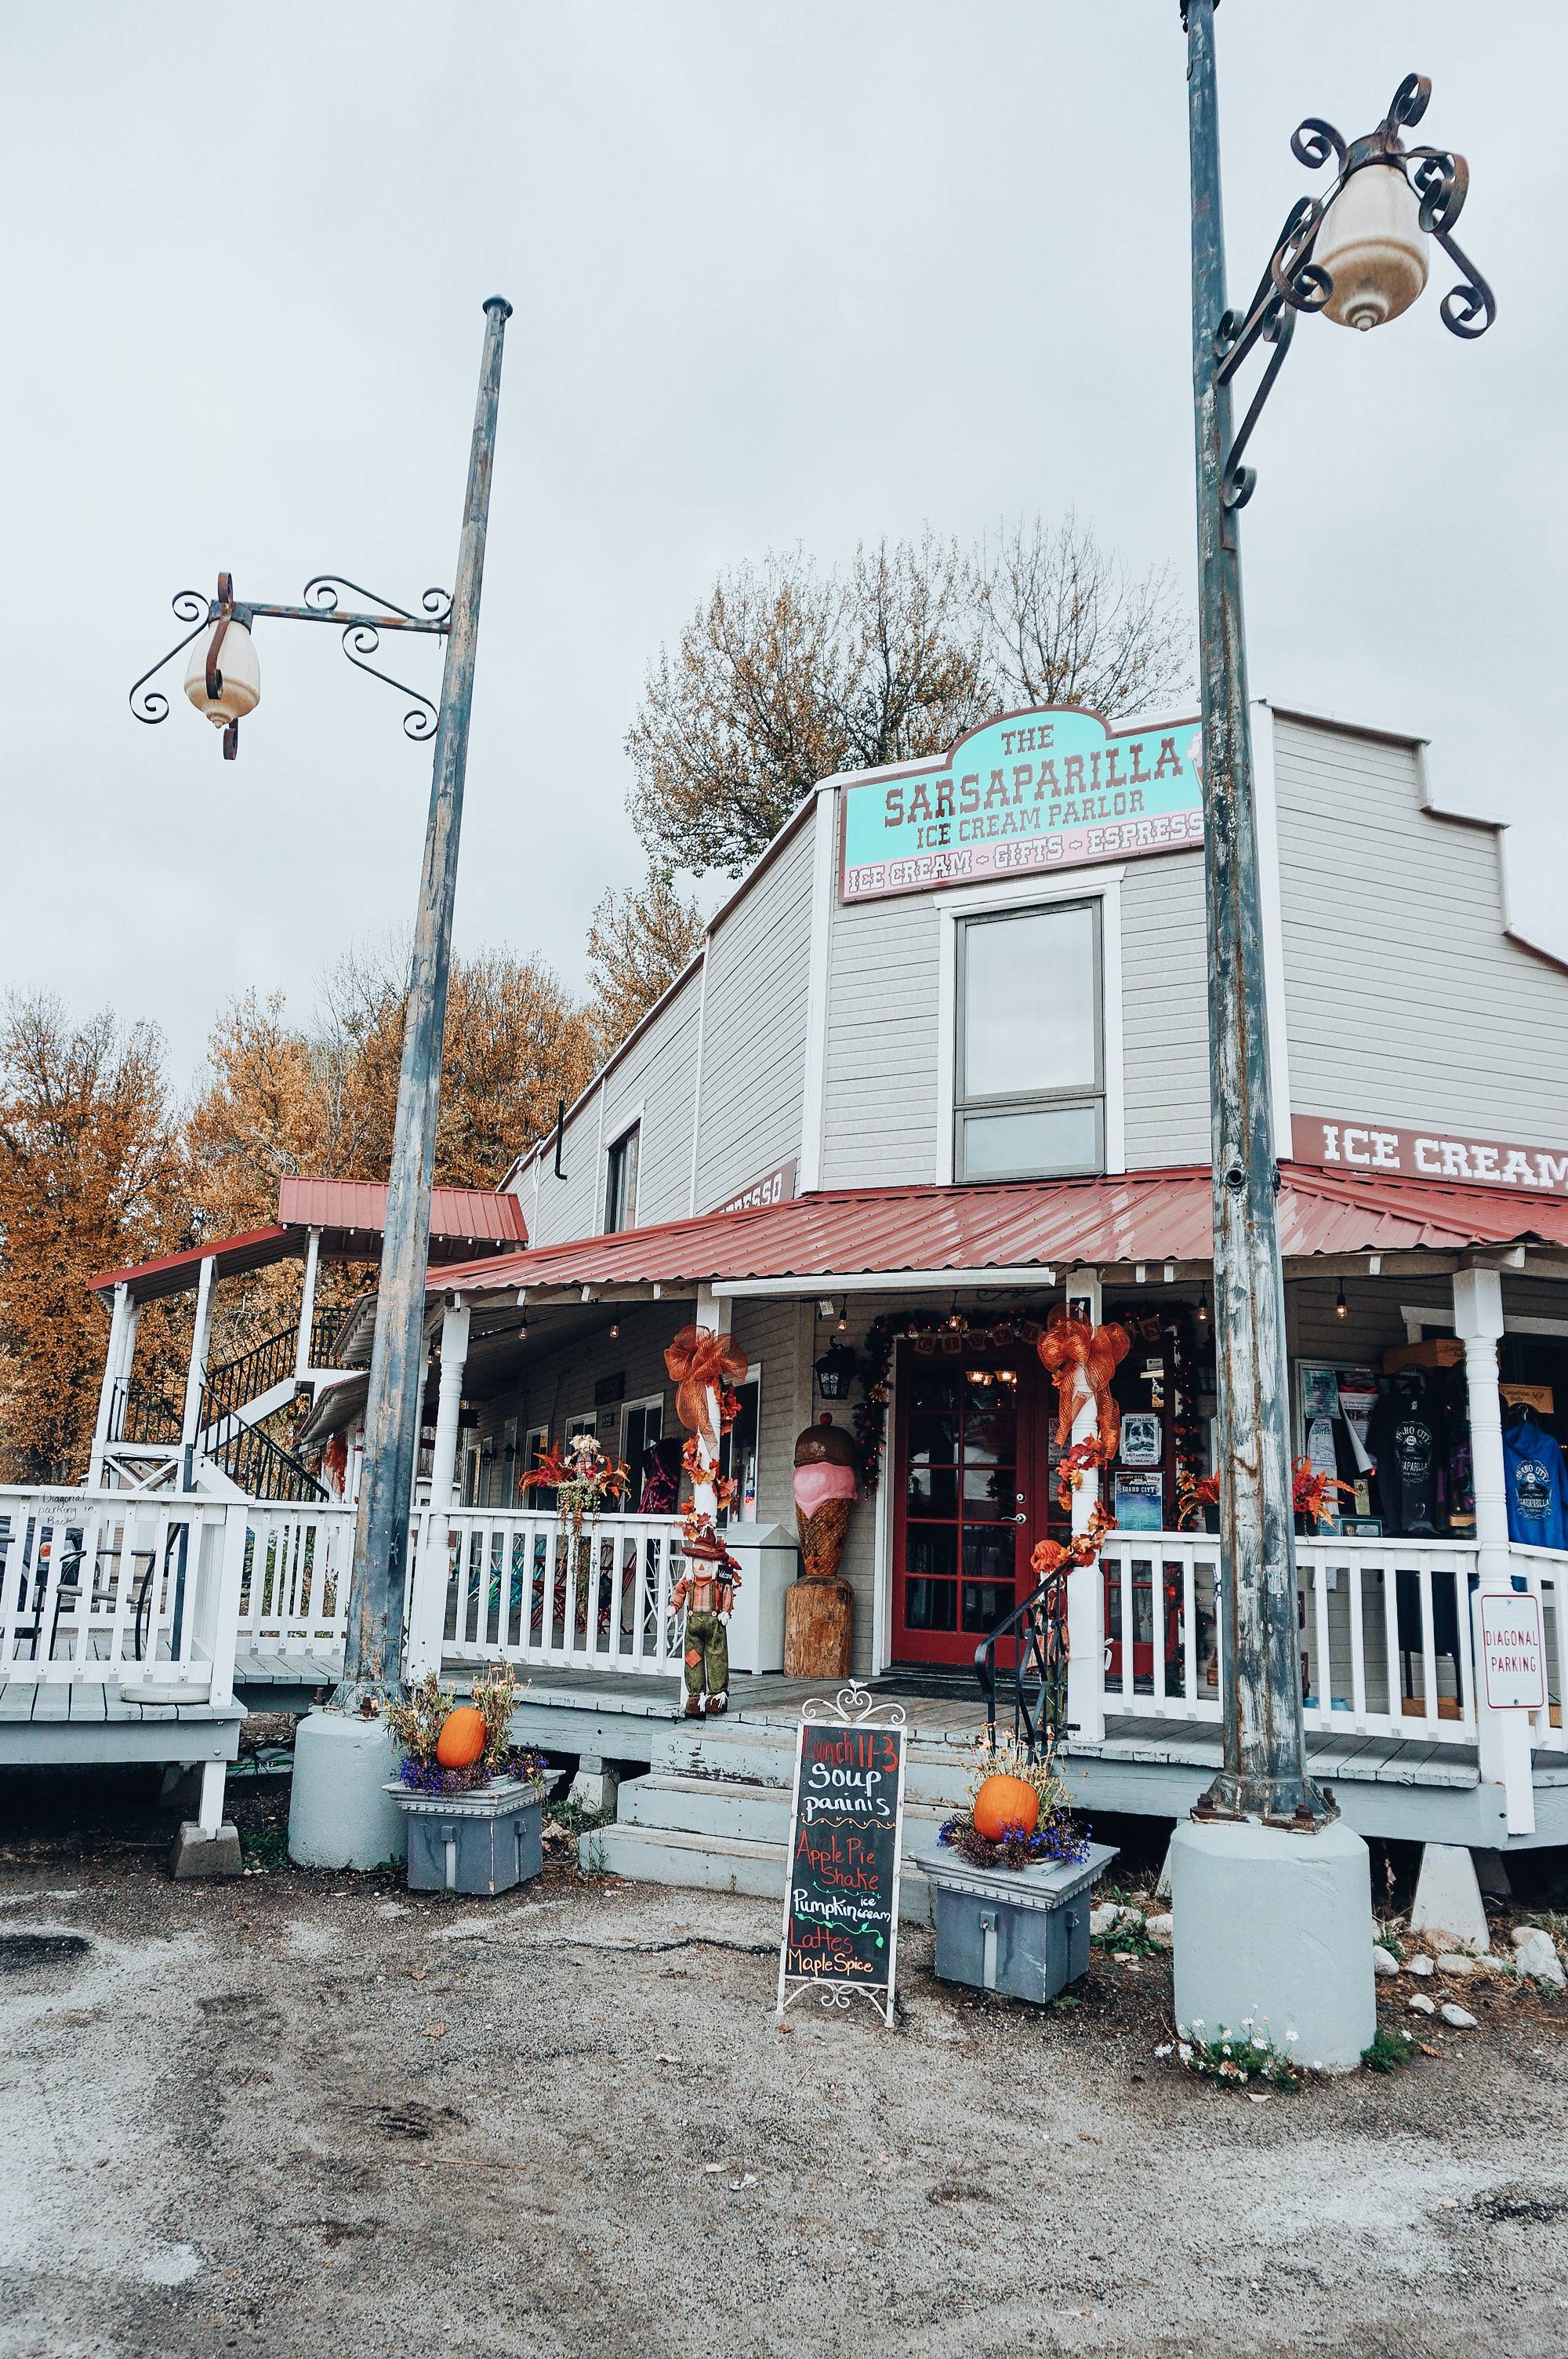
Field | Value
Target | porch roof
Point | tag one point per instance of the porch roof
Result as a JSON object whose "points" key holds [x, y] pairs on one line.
{"points": [[1018, 1225], [350, 1216]]}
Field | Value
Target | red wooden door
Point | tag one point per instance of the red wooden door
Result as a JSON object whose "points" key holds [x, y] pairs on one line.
{"points": [[969, 1479]]}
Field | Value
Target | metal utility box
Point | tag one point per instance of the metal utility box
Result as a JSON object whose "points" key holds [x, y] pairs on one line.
{"points": [[482, 1843], [1024, 1932]]}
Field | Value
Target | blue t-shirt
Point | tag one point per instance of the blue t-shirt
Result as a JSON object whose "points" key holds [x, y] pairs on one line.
{"points": [[1537, 1487]]}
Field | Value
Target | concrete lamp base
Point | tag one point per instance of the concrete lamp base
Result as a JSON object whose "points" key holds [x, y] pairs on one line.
{"points": [[339, 1815], [1276, 1927]]}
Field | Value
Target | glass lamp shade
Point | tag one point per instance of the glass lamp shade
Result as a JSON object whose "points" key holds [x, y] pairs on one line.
{"points": [[239, 675], [1373, 248]]}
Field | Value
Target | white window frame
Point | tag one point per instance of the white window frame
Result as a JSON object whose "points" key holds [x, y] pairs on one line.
{"points": [[629, 1120], [1095, 884]]}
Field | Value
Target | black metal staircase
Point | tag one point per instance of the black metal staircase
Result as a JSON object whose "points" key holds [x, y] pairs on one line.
{"points": [[1032, 1645]]}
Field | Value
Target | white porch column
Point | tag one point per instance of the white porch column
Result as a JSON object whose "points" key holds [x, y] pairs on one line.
{"points": [[308, 1304], [704, 1497], [1086, 1583], [1503, 1739], [455, 1325], [196, 1374], [428, 1601], [121, 1316]]}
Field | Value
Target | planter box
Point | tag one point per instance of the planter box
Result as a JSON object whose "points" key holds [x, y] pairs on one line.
{"points": [[1024, 1932], [484, 1842]]}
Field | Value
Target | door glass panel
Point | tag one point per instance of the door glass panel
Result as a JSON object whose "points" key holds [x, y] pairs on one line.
{"points": [[960, 1538], [930, 1605]]}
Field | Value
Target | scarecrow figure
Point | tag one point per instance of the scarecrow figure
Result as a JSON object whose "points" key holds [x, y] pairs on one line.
{"points": [[706, 1588]]}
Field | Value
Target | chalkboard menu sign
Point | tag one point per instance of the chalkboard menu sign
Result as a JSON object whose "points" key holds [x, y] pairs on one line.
{"points": [[841, 1927]]}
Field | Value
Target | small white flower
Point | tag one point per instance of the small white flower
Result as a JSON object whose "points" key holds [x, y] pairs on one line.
{"points": [[1292, 2036], [1180, 2030], [1317, 2068], [1407, 2034], [1184, 2052], [1198, 2022], [1225, 2048], [1165, 2050]]}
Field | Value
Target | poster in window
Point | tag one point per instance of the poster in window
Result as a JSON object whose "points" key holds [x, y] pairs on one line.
{"points": [[1139, 1503], [1140, 1438]]}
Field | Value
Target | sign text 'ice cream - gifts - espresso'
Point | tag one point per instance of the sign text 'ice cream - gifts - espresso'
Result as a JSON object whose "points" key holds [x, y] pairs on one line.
{"points": [[1032, 791]]}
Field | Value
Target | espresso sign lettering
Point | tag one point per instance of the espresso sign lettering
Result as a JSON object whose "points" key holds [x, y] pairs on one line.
{"points": [[840, 1929], [1029, 793]]}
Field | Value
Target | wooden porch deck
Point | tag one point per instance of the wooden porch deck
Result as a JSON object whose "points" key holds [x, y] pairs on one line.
{"points": [[44, 1721]]}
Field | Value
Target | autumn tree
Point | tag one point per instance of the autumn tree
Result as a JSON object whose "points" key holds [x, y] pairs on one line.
{"points": [[90, 1178], [1065, 623], [514, 1042], [639, 941], [787, 672]]}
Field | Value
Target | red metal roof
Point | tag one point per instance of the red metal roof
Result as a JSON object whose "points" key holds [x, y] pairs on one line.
{"points": [[469, 1215], [1141, 1216], [350, 1214]]}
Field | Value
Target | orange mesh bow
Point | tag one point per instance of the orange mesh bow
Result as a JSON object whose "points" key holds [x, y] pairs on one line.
{"points": [[1070, 1346], [698, 1362]]}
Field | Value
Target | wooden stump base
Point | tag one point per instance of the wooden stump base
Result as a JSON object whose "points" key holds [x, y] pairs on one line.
{"points": [[819, 1617]]}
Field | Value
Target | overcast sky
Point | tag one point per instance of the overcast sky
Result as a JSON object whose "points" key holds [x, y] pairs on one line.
{"points": [[785, 272]]}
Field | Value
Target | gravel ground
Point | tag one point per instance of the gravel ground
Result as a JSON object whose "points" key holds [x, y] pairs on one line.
{"points": [[302, 2112]]}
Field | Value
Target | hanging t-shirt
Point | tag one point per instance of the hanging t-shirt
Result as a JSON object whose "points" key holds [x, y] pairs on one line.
{"points": [[1402, 1436], [1537, 1485]]}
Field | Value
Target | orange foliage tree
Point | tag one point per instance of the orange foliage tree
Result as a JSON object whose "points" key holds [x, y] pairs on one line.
{"points": [[92, 1177]]}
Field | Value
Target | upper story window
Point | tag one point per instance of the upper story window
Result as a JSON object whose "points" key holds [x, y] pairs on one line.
{"points": [[620, 1184], [1028, 1094]]}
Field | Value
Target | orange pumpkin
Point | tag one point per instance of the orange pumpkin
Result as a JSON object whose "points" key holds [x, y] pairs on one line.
{"points": [[1004, 1802], [462, 1740]]}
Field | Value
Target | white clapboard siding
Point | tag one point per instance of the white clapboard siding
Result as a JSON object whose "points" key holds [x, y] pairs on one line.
{"points": [[1164, 1011], [753, 1033], [879, 1118], [1404, 993]]}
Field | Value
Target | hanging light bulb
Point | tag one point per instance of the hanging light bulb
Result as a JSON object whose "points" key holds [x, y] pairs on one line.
{"points": [[1339, 1309], [1203, 1304], [614, 1329], [843, 1326]]}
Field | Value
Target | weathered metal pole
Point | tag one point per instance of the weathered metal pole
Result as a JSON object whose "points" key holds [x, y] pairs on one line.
{"points": [[373, 1662], [1264, 1774]]}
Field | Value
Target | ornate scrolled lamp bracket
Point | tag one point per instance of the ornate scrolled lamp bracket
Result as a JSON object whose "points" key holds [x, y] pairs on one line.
{"points": [[223, 677], [1357, 251]]}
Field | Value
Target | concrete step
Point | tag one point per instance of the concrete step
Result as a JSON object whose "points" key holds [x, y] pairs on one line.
{"points": [[644, 1855], [748, 1753], [726, 1810]]}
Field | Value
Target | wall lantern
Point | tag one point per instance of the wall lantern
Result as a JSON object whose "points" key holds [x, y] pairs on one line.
{"points": [[835, 1371]]}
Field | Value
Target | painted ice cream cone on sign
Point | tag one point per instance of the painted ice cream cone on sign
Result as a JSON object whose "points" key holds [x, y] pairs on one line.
{"points": [[819, 1610]]}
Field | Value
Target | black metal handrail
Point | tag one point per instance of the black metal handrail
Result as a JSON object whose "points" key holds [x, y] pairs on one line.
{"points": [[325, 1328], [1038, 1629], [247, 1376], [261, 1467], [144, 1416]]}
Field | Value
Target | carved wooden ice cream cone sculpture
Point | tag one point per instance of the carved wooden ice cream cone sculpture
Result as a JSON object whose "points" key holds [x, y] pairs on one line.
{"points": [[819, 1610]]}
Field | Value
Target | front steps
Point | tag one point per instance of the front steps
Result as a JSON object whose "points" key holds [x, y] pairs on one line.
{"points": [[712, 1814]]}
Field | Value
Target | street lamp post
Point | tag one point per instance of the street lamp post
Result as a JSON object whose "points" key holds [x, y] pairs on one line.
{"points": [[338, 1815], [1357, 252]]}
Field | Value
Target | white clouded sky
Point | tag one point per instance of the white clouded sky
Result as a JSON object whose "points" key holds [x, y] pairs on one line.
{"points": [[793, 271]]}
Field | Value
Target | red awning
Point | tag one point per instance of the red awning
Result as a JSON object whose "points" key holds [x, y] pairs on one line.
{"points": [[464, 1224], [1152, 1216]]}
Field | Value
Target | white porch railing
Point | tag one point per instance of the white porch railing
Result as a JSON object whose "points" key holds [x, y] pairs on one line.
{"points": [[105, 1586], [1385, 1632], [519, 1588], [294, 1588]]}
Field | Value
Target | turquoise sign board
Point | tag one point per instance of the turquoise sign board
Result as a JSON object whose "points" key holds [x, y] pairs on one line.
{"points": [[1032, 791]]}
